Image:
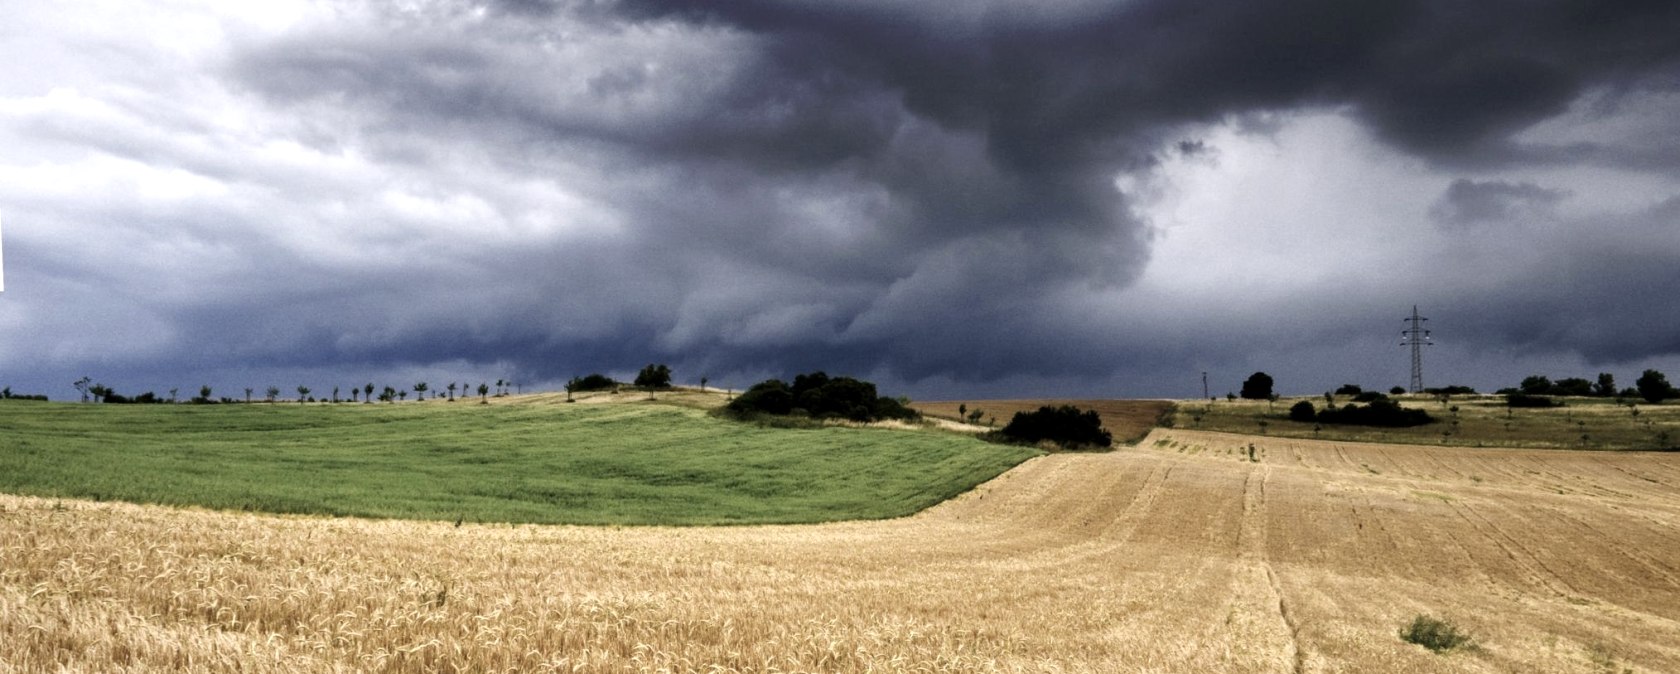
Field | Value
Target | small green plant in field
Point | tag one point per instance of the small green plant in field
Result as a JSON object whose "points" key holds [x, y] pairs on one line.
{"points": [[1435, 634]]}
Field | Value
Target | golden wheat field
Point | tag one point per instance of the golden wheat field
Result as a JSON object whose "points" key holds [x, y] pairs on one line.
{"points": [[1179, 555]]}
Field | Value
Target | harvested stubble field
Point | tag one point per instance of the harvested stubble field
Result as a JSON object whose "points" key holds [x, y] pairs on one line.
{"points": [[1180, 555]]}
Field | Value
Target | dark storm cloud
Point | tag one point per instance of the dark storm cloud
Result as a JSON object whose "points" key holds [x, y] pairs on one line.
{"points": [[935, 168], [1604, 290], [1439, 78], [924, 190]]}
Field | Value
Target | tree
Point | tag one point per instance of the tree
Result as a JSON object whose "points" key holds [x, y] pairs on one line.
{"points": [[82, 386], [1398, 390], [703, 381], [1572, 386], [174, 390], [204, 393], [1536, 385], [1258, 386], [1606, 385], [483, 390], [303, 393], [247, 394], [1349, 390], [1302, 411], [451, 391], [402, 395], [1654, 387], [99, 391], [367, 393], [499, 384], [354, 393], [420, 391], [273, 392], [654, 376], [335, 394]]}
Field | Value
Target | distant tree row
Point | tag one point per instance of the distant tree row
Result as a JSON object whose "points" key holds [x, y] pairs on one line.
{"points": [[1652, 386], [6, 394], [100, 393]]}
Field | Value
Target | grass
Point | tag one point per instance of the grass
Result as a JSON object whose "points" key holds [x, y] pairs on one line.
{"points": [[533, 462], [1480, 421]]}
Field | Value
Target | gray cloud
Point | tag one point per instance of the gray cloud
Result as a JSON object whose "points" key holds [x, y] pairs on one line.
{"points": [[1467, 202], [926, 192]]}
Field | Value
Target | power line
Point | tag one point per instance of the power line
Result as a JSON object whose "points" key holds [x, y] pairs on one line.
{"points": [[1417, 338]]}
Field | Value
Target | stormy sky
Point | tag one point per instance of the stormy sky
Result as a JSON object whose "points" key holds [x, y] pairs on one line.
{"points": [[958, 200]]}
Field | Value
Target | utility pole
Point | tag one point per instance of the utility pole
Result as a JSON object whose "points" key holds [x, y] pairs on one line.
{"points": [[1417, 338]]}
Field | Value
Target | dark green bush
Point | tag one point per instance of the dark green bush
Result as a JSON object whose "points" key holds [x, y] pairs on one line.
{"points": [[821, 397], [593, 382], [655, 375], [1066, 425], [1526, 400], [1369, 396], [1302, 411], [771, 396], [1258, 386], [1434, 634], [1385, 413]]}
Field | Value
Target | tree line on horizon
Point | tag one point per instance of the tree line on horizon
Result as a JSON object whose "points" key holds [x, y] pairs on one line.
{"points": [[93, 392], [654, 376]]}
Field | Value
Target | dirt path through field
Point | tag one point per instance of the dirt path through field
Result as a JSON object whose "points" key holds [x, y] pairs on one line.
{"points": [[1180, 555]]}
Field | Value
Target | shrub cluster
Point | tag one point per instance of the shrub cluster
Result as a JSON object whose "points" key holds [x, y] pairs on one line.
{"points": [[1380, 412], [1434, 634], [114, 398], [1526, 400], [820, 396], [6, 394], [1066, 425], [592, 382]]}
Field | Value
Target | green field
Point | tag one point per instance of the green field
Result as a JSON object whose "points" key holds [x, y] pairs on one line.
{"points": [[1479, 421], [536, 462]]}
